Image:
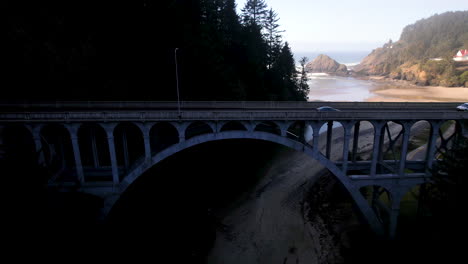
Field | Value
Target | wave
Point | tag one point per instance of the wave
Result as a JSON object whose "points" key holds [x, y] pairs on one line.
{"points": [[318, 74], [351, 64]]}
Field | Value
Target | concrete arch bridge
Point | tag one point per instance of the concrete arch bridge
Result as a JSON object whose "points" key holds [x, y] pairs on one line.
{"points": [[103, 147]]}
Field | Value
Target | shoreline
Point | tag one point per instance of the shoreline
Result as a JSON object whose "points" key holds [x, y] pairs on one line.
{"points": [[391, 90], [331, 87]]}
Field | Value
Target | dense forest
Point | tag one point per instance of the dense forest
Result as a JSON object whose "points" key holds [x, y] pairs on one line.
{"points": [[424, 52], [130, 50]]}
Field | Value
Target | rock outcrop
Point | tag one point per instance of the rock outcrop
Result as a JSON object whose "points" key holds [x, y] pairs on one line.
{"points": [[325, 64], [424, 53]]}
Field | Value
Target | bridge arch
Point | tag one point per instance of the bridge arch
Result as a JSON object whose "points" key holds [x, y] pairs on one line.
{"points": [[139, 170], [158, 157]]}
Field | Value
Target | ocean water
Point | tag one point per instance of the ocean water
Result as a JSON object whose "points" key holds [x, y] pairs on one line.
{"points": [[325, 87], [344, 57]]}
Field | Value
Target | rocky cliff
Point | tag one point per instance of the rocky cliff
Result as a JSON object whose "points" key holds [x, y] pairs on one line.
{"points": [[423, 55], [323, 63]]}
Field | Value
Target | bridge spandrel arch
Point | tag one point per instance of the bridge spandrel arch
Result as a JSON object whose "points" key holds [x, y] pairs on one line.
{"points": [[297, 131], [198, 128], [162, 135], [232, 126], [269, 127], [129, 145], [58, 153], [94, 150], [448, 133], [330, 133], [420, 134], [362, 141], [18, 144]]}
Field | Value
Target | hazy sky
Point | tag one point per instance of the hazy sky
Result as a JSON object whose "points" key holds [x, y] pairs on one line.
{"points": [[345, 25]]}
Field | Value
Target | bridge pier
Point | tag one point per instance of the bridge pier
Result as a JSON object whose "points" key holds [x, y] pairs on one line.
{"points": [[355, 140], [376, 147], [431, 150], [109, 128], [73, 130], [404, 147], [36, 133], [329, 138]]}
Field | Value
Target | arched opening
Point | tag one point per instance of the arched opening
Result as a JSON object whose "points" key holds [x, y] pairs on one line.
{"points": [[331, 140], [297, 131], [58, 153], [129, 145], [196, 129], [269, 127], [379, 200], [162, 135], [418, 141], [448, 132], [186, 195], [391, 141], [411, 211], [233, 126], [94, 150], [18, 147], [362, 141], [361, 147]]}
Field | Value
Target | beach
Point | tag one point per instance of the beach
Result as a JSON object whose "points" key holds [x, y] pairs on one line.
{"points": [[387, 90], [324, 87]]}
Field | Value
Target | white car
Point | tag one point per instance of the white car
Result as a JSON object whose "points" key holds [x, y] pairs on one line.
{"points": [[463, 107]]}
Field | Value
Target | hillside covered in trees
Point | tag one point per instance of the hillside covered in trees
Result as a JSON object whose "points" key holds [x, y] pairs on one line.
{"points": [[126, 50], [424, 52]]}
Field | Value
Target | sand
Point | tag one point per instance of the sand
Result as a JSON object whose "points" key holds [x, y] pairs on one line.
{"points": [[402, 91]]}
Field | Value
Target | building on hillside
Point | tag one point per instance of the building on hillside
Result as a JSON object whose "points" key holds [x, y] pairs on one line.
{"points": [[462, 55]]}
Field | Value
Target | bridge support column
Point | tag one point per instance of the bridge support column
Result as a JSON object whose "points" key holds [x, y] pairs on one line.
{"points": [[404, 148], [73, 130], [316, 136], [36, 132], [347, 136], [376, 148], [109, 127], [146, 139], [432, 144], [181, 127], [145, 129], [397, 194], [329, 138], [356, 140], [94, 148]]}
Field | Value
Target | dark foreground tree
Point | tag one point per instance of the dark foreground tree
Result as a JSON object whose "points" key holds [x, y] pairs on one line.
{"points": [[125, 50]]}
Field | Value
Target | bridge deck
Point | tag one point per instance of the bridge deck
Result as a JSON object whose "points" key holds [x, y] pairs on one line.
{"points": [[154, 111]]}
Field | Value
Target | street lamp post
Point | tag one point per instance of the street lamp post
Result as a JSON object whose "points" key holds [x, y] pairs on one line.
{"points": [[177, 80]]}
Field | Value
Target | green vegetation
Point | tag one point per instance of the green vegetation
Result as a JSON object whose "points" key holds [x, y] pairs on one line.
{"points": [[424, 52]]}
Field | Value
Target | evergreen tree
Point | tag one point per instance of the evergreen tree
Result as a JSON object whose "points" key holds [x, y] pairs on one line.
{"points": [[272, 36], [254, 12], [285, 71], [303, 87]]}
